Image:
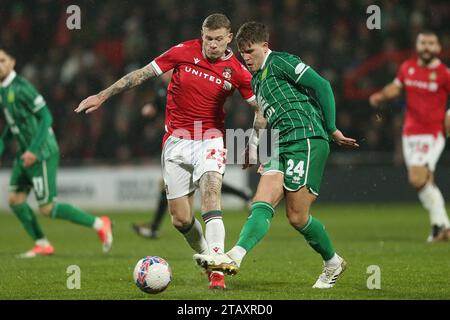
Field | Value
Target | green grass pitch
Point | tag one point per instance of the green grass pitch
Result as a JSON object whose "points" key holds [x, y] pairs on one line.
{"points": [[282, 266]]}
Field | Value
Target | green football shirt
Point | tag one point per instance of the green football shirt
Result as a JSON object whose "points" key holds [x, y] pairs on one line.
{"points": [[20, 102], [287, 105]]}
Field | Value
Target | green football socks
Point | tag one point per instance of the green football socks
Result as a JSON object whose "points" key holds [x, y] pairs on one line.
{"points": [[68, 212], [28, 220], [257, 225], [316, 236]]}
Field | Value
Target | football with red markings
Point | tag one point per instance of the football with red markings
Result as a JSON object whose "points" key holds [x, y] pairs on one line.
{"points": [[152, 274]]}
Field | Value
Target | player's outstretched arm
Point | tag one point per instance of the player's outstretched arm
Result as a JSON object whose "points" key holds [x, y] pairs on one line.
{"points": [[391, 91], [251, 150], [324, 93], [131, 80]]}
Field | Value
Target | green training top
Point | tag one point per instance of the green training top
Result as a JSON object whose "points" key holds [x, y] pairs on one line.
{"points": [[294, 98], [28, 119]]}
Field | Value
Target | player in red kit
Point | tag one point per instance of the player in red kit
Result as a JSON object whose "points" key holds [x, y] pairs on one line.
{"points": [[426, 81], [205, 74]]}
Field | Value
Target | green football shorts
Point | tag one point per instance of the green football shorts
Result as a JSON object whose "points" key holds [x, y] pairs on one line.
{"points": [[302, 163], [41, 177]]}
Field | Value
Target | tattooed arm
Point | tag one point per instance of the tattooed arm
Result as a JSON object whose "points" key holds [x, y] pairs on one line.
{"points": [[131, 80]]}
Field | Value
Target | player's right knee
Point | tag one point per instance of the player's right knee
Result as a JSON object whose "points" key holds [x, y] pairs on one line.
{"points": [[180, 214], [180, 219], [181, 224]]}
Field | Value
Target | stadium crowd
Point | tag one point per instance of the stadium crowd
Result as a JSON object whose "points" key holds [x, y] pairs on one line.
{"points": [[117, 37]]}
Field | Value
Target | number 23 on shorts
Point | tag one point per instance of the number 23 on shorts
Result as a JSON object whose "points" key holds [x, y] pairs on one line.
{"points": [[219, 155]]}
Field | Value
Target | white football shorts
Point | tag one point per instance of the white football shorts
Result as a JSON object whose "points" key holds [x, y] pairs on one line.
{"points": [[185, 161], [423, 150]]}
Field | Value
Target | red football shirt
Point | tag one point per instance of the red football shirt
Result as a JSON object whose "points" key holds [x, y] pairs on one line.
{"points": [[198, 89], [427, 89]]}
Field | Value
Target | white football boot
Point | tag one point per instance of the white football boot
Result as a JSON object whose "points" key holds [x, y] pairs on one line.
{"points": [[217, 262], [330, 274]]}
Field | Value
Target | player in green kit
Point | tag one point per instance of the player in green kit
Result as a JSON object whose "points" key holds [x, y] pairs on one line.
{"points": [[29, 122], [299, 104]]}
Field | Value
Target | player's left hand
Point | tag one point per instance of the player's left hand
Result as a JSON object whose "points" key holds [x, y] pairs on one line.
{"points": [[29, 158], [342, 140]]}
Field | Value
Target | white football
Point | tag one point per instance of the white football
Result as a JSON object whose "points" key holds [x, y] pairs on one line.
{"points": [[152, 274]]}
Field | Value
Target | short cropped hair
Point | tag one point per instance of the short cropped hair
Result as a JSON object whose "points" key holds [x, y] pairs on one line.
{"points": [[250, 33], [217, 21]]}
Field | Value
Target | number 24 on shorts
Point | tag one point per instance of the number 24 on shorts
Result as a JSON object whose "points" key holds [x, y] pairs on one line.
{"points": [[295, 169]]}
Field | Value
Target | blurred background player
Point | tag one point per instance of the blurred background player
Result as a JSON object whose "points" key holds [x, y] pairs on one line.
{"points": [[426, 82], [205, 74], [300, 104], [150, 230], [29, 122]]}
